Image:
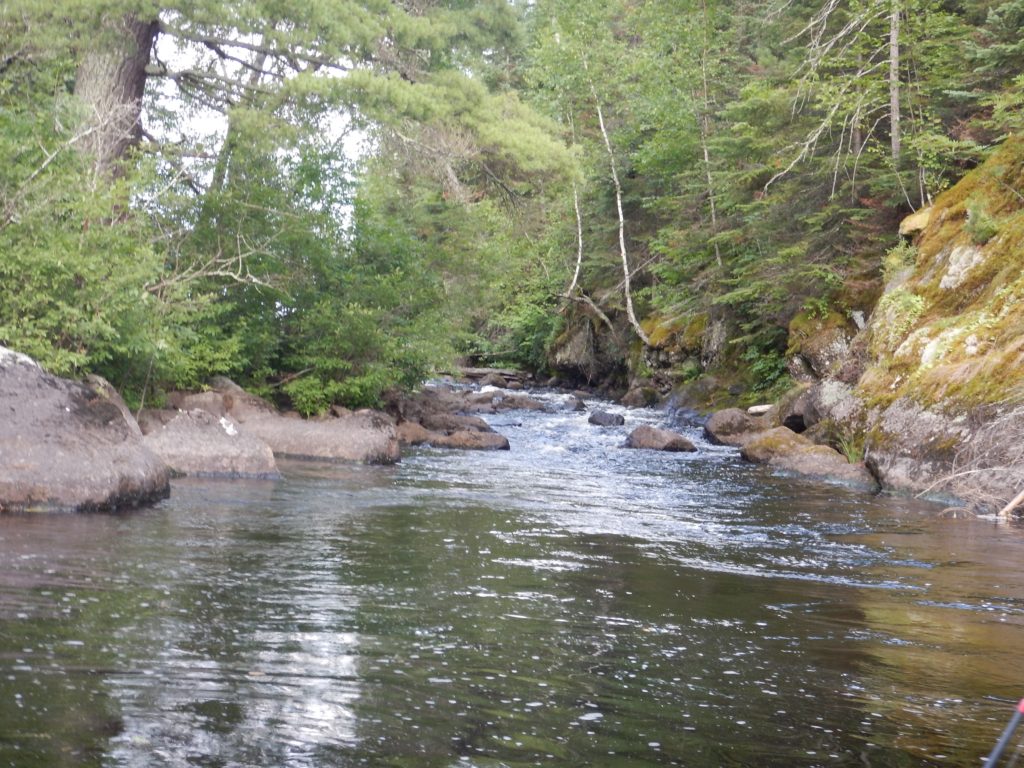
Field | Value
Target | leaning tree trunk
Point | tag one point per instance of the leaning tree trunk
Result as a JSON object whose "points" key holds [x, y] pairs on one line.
{"points": [[109, 84]]}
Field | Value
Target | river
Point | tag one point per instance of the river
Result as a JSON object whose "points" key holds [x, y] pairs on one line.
{"points": [[565, 603]]}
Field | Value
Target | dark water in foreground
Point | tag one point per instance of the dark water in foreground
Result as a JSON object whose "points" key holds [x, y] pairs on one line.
{"points": [[567, 603]]}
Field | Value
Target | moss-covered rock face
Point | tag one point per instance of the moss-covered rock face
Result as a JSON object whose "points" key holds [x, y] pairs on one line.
{"points": [[950, 336], [944, 347], [818, 345]]}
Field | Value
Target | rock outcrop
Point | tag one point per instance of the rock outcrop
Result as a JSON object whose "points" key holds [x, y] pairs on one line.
{"points": [[200, 444], [364, 436], [655, 439], [937, 397], [64, 446]]}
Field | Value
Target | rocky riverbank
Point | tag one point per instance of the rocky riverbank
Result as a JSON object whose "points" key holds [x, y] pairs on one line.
{"points": [[67, 445], [929, 393], [71, 446]]}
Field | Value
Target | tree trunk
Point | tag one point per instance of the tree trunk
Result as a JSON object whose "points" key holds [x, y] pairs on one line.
{"points": [[894, 80], [705, 130], [626, 277], [110, 82]]}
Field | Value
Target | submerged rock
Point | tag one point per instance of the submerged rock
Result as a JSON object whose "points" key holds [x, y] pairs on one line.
{"points": [[575, 404], [200, 444], [475, 441], [655, 439], [64, 446]]}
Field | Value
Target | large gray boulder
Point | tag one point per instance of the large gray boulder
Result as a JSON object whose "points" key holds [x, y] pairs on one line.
{"points": [[913, 449], [64, 446], [783, 449], [655, 439], [200, 444], [365, 437]]}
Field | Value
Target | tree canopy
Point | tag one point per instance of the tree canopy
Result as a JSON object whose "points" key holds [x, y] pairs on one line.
{"points": [[330, 198]]}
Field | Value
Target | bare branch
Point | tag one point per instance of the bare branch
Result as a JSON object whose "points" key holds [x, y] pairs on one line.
{"points": [[630, 313]]}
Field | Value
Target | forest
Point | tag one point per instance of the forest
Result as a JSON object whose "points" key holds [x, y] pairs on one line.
{"points": [[329, 199]]}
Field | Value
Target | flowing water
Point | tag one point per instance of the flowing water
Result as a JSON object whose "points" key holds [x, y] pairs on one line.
{"points": [[566, 603]]}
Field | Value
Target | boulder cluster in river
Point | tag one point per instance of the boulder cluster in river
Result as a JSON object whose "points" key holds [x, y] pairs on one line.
{"points": [[76, 446], [766, 435]]}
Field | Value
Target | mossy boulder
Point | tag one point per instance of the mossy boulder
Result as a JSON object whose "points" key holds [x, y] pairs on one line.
{"points": [[792, 410], [782, 449], [640, 397]]}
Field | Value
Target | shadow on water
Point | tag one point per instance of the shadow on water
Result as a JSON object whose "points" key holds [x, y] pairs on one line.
{"points": [[566, 603]]}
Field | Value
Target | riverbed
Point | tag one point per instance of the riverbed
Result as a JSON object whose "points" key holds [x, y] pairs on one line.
{"points": [[565, 603]]}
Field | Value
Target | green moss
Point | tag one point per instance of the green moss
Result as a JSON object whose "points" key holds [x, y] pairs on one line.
{"points": [[692, 337], [690, 369], [980, 225], [807, 325], [660, 330], [684, 332], [897, 259], [899, 310]]}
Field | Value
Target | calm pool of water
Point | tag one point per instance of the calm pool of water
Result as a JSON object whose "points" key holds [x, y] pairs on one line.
{"points": [[566, 603]]}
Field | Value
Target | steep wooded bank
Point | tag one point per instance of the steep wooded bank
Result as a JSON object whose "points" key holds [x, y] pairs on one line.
{"points": [[932, 391]]}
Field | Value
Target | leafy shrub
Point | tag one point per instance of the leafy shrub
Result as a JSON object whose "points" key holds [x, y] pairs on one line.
{"points": [[980, 225]]}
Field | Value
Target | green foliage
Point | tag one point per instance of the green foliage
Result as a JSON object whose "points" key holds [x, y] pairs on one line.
{"points": [[74, 267], [756, 169], [900, 257], [766, 368], [901, 310], [979, 225]]}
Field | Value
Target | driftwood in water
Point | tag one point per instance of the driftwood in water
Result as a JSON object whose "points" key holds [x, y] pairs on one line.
{"points": [[479, 373], [1015, 502]]}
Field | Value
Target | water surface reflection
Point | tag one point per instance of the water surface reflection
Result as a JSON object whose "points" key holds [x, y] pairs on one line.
{"points": [[565, 603]]}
